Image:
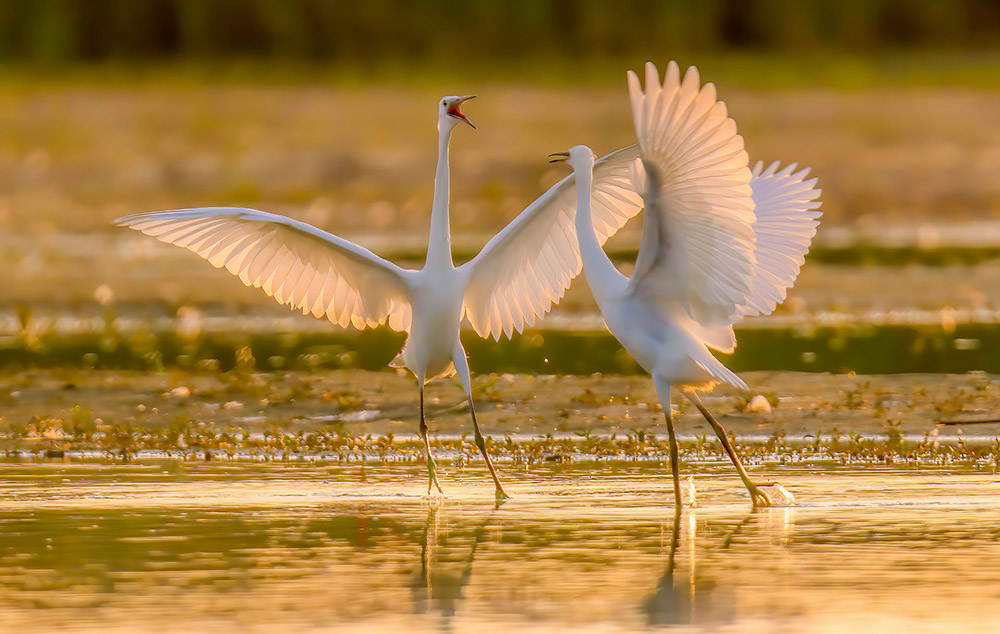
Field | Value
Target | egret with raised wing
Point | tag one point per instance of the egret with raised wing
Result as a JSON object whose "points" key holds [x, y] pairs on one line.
{"points": [[719, 242], [516, 278]]}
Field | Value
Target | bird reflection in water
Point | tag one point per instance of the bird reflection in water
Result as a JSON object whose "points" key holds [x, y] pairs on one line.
{"points": [[687, 599], [439, 585]]}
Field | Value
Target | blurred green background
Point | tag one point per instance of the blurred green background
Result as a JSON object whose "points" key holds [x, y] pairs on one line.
{"points": [[324, 111], [450, 30]]}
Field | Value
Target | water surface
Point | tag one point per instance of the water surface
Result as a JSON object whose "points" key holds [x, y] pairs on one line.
{"points": [[164, 546]]}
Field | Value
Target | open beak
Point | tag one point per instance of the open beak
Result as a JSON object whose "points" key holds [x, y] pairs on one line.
{"points": [[455, 109], [559, 157]]}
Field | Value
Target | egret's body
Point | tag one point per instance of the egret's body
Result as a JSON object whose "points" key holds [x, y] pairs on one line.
{"points": [[437, 314], [516, 278], [660, 347], [718, 242]]}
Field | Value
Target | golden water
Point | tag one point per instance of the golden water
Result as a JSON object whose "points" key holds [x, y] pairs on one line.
{"points": [[170, 547]]}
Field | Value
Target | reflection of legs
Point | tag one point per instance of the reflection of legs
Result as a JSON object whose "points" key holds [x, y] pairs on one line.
{"points": [[427, 546], [675, 539], [670, 604], [431, 471], [663, 392], [477, 539], [462, 367], [759, 497]]}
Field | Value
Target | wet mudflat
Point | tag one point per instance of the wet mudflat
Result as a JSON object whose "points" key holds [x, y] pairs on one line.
{"points": [[303, 413], [169, 546]]}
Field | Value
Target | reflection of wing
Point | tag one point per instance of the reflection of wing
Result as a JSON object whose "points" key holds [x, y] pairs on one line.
{"points": [[696, 256], [787, 215], [527, 267], [293, 262]]}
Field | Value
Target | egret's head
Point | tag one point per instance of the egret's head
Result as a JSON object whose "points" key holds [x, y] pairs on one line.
{"points": [[580, 157], [450, 110]]}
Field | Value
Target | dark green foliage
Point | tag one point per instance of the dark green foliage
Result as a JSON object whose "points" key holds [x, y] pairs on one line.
{"points": [[865, 349], [447, 30]]}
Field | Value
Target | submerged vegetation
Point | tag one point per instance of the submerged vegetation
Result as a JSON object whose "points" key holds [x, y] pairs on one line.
{"points": [[84, 437], [357, 416]]}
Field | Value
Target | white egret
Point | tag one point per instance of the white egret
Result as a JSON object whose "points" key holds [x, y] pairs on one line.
{"points": [[516, 278], [719, 242]]}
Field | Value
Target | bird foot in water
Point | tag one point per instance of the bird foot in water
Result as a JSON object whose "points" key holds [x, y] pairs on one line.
{"points": [[771, 494], [433, 494], [501, 496], [432, 481]]}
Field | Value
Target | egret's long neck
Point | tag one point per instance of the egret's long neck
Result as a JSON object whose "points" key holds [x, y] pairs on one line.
{"points": [[602, 276], [439, 243]]}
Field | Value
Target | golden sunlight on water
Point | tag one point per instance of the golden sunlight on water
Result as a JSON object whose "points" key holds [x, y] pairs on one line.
{"points": [[163, 547]]}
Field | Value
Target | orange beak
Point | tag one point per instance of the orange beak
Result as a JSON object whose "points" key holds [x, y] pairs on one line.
{"points": [[455, 110]]}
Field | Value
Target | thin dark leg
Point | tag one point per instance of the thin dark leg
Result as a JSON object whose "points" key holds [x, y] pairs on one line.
{"points": [[675, 460], [663, 393], [759, 497], [462, 369], [481, 443], [431, 467]]}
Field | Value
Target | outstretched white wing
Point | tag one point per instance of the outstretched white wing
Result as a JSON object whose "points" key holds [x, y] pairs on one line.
{"points": [[528, 266], [293, 262], [787, 210], [696, 258]]}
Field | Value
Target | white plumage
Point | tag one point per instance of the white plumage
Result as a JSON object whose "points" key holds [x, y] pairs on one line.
{"points": [[719, 242], [700, 259], [516, 278], [293, 262], [527, 267], [786, 215]]}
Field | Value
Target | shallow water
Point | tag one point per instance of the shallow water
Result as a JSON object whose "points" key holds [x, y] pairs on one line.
{"points": [[165, 546]]}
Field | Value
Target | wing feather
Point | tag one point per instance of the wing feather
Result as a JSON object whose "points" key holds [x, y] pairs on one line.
{"points": [[537, 254], [787, 210], [293, 262], [696, 256]]}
